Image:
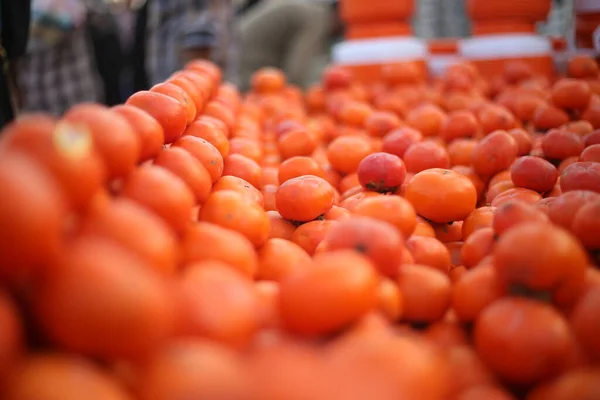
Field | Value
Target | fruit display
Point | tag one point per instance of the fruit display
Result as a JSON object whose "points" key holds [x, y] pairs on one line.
{"points": [[417, 238]]}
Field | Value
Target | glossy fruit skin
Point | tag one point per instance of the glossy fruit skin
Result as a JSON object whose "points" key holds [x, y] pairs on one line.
{"points": [[427, 189], [137, 229], [563, 210], [57, 376], [169, 113], [392, 209], [149, 131], [586, 225], [523, 341], [425, 155], [399, 140], [581, 176], [181, 163], [204, 241], [87, 304], [534, 173], [377, 240], [66, 150], [161, 192], [232, 210], [540, 257], [419, 282], [494, 153], [304, 198], [475, 290], [381, 172], [218, 303], [326, 297], [583, 322], [120, 152], [513, 213], [191, 367], [559, 144], [32, 211]]}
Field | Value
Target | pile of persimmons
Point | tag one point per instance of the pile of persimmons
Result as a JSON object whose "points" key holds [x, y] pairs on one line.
{"points": [[423, 239]]}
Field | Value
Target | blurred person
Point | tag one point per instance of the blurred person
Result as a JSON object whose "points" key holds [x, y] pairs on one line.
{"points": [[58, 70], [441, 18], [14, 32], [560, 19], [285, 35], [181, 30]]}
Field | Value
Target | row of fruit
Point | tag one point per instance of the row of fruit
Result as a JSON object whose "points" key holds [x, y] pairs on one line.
{"points": [[410, 239]]}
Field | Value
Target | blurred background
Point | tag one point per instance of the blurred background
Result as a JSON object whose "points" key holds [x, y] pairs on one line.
{"points": [[104, 50]]}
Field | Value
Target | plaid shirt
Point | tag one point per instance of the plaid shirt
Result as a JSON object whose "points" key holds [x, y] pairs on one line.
{"points": [[54, 76], [174, 25]]}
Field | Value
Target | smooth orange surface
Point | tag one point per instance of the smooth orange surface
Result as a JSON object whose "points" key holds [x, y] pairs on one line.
{"points": [[499, 26], [370, 73], [542, 65], [533, 10], [377, 30], [361, 11]]}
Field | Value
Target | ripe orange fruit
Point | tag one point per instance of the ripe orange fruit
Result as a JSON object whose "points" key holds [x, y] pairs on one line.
{"points": [[205, 152], [328, 296], [399, 140], [279, 257], [11, 335], [177, 93], [169, 113], [243, 167], [203, 129], [241, 186], [429, 251], [204, 241], [474, 291], [381, 172], [234, 211], [268, 80], [380, 123], [494, 153], [392, 209], [427, 119], [536, 339], [188, 169], [459, 124], [55, 376], [534, 173], [32, 211], [426, 292], [310, 235], [87, 304], [65, 150], [426, 188], [150, 133], [163, 193], [298, 166], [541, 258], [137, 229], [573, 94], [114, 138], [280, 227], [218, 303], [381, 242], [191, 367], [345, 153], [426, 155], [304, 198]]}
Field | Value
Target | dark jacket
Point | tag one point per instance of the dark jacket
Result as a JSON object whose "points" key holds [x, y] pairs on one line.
{"points": [[14, 33]]}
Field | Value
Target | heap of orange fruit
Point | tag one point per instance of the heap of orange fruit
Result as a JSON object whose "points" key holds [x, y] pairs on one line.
{"points": [[412, 239]]}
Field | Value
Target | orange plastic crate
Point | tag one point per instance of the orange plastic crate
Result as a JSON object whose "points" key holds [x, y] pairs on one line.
{"points": [[375, 11]]}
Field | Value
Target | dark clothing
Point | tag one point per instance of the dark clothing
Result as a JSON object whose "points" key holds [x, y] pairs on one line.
{"points": [[14, 32]]}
